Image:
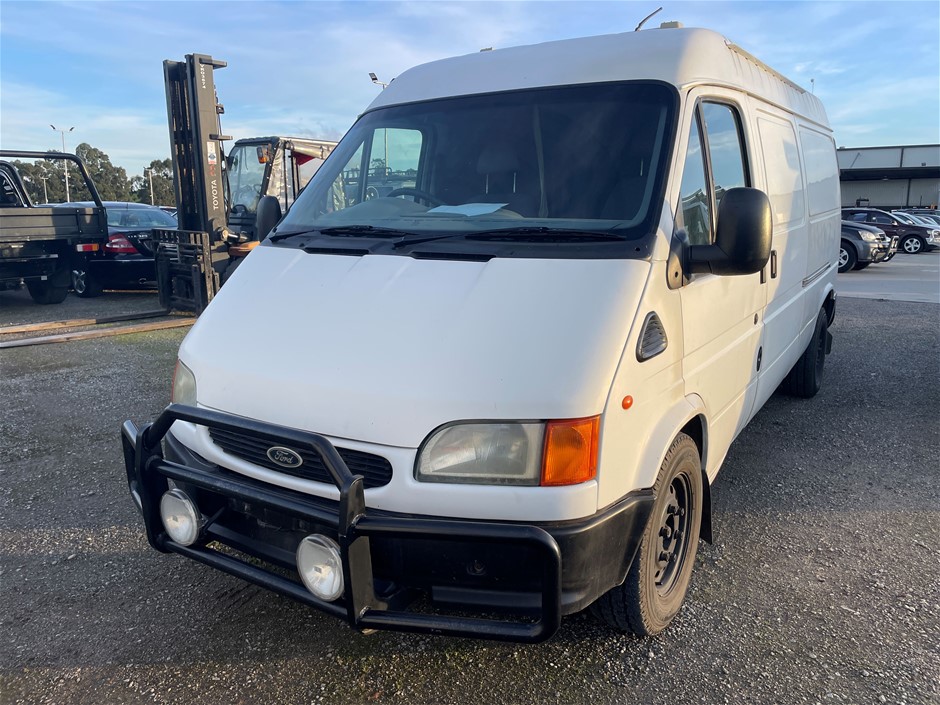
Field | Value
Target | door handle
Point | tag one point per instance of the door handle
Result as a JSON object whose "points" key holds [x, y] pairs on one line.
{"points": [[773, 264]]}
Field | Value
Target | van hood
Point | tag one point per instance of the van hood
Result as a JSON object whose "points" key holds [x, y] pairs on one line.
{"points": [[385, 348]]}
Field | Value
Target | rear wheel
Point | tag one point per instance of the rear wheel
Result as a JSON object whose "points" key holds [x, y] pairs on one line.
{"points": [[847, 257], [84, 284], [658, 579], [805, 379], [45, 292], [913, 245]]}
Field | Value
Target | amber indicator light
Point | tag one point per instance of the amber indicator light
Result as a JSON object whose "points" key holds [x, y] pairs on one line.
{"points": [[570, 455], [627, 402]]}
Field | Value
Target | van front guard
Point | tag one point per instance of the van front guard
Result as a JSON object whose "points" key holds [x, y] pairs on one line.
{"points": [[148, 473]]}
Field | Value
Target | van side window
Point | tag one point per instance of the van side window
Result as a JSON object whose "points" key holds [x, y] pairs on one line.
{"points": [[725, 148], [694, 197]]}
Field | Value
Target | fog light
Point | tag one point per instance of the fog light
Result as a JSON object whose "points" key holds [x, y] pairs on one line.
{"points": [[320, 566], [181, 518]]}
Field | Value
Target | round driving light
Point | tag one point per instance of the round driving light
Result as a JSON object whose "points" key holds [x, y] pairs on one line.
{"points": [[181, 518], [320, 566]]}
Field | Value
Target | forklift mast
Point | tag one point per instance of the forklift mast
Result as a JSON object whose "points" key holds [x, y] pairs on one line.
{"points": [[193, 113], [190, 260]]}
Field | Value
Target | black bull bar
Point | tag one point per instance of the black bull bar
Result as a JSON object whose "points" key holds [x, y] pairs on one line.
{"points": [[148, 473]]}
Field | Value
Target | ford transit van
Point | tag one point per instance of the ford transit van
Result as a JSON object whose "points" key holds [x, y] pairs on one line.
{"points": [[482, 374]]}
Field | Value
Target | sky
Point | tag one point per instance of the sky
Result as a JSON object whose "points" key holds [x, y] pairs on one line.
{"points": [[301, 68]]}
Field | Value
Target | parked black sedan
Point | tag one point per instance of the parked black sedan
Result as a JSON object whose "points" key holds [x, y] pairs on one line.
{"points": [[127, 258]]}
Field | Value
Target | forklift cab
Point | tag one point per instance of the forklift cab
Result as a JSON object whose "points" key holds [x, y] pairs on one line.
{"points": [[269, 166]]}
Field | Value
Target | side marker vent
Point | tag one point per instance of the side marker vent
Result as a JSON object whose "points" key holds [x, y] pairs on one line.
{"points": [[652, 338]]}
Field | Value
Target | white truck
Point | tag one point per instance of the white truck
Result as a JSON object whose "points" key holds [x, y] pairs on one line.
{"points": [[502, 342]]}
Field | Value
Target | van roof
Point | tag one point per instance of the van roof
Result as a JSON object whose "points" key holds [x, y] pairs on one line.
{"points": [[681, 57]]}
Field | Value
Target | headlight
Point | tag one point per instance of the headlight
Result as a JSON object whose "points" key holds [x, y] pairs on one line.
{"points": [[934, 233], [867, 236], [184, 386], [548, 454], [501, 453]]}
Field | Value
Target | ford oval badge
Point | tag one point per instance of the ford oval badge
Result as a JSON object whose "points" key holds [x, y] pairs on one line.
{"points": [[285, 457]]}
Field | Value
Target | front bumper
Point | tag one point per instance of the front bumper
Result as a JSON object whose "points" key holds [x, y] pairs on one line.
{"points": [[392, 563], [874, 252]]}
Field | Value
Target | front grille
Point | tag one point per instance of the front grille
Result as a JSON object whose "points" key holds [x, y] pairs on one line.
{"points": [[375, 470]]}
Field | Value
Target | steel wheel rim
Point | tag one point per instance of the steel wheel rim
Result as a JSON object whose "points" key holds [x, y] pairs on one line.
{"points": [[843, 257], [672, 539]]}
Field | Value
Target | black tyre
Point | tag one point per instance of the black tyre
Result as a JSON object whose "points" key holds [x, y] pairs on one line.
{"points": [[847, 257], [45, 292], [913, 245], [805, 379], [860, 266], [658, 580], [84, 284]]}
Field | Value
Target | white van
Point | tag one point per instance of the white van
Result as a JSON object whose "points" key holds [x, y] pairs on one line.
{"points": [[496, 352]]}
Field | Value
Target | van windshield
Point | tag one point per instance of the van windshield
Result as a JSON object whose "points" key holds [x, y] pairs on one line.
{"points": [[588, 158]]}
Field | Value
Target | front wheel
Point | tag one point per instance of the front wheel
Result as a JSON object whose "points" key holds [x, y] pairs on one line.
{"points": [[658, 579], [860, 266], [847, 257], [913, 245]]}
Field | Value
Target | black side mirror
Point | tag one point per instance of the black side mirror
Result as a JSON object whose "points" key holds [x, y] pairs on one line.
{"points": [[742, 243], [268, 215]]}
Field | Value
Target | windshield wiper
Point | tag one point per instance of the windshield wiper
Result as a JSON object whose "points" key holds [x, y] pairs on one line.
{"points": [[344, 231], [541, 233], [363, 230], [404, 242]]}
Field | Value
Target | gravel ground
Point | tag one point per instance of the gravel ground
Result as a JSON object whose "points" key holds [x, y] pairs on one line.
{"points": [[823, 585]]}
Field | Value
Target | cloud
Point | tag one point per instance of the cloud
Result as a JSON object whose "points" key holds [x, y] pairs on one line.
{"points": [[302, 68]]}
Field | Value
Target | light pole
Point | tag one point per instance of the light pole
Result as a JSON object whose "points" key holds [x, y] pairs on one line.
{"points": [[45, 193], [65, 162], [149, 170]]}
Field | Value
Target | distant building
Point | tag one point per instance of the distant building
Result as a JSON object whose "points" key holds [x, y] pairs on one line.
{"points": [[890, 177]]}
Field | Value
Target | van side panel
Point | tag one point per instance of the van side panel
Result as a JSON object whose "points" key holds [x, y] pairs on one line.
{"points": [[825, 216], [785, 316]]}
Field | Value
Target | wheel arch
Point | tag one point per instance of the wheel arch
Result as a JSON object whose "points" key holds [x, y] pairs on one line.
{"points": [[689, 417], [696, 429], [829, 305]]}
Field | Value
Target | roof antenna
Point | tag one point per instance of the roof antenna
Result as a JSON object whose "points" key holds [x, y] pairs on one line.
{"points": [[643, 21]]}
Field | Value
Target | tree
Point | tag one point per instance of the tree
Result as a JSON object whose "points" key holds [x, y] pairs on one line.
{"points": [[163, 194], [111, 181], [34, 172]]}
